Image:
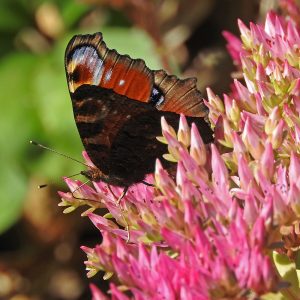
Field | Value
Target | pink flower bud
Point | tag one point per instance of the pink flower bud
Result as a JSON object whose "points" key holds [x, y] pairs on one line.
{"points": [[252, 140], [198, 149], [247, 99], [245, 34], [184, 132], [215, 101], [278, 134], [267, 162]]}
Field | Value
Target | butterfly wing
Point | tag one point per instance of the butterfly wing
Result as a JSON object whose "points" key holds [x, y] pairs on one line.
{"points": [[89, 61], [122, 145], [180, 96], [118, 103], [117, 133]]}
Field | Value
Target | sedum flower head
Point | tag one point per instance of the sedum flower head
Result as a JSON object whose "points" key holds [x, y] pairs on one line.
{"points": [[217, 226]]}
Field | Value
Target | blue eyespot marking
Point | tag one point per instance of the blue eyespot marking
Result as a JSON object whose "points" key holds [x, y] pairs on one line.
{"points": [[157, 97]]}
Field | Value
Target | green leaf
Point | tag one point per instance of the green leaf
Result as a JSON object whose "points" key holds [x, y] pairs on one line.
{"points": [[13, 188], [273, 296], [297, 261], [72, 11], [288, 273]]}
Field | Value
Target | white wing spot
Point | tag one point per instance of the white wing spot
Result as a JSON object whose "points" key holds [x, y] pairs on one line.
{"points": [[108, 75], [89, 57]]}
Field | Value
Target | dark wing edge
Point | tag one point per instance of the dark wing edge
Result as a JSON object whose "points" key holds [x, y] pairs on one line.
{"points": [[95, 40], [119, 72], [180, 96]]}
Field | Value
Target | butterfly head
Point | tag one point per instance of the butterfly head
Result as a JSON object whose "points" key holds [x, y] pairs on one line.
{"points": [[93, 174]]}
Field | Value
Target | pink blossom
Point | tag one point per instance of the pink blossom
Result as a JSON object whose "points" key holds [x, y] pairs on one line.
{"points": [[210, 230]]}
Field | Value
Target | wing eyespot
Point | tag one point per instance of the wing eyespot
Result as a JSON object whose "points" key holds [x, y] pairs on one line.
{"points": [[75, 75], [157, 97]]}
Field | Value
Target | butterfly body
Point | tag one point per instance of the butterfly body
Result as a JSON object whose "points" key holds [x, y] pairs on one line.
{"points": [[118, 104]]}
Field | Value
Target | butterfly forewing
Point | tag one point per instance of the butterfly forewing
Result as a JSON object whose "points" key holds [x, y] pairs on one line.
{"points": [[89, 61]]}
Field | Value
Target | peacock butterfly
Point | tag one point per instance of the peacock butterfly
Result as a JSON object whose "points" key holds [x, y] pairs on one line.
{"points": [[118, 103]]}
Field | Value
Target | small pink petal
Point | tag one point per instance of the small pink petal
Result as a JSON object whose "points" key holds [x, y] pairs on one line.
{"points": [[250, 210], [278, 134], [190, 215], [260, 73], [144, 259], [296, 87], [259, 105], [294, 198], [184, 131], [289, 71], [273, 26], [173, 239], [227, 104], [281, 210], [197, 149], [294, 169], [252, 140], [292, 32], [117, 294], [87, 159], [96, 293], [281, 47], [181, 174], [173, 145], [220, 172], [245, 33], [163, 181], [267, 161], [265, 89], [167, 128], [244, 172], [215, 101], [234, 46], [246, 98], [238, 145], [259, 36], [250, 84], [259, 234]]}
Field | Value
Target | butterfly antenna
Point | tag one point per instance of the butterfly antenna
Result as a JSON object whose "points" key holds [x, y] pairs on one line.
{"points": [[41, 186], [59, 153]]}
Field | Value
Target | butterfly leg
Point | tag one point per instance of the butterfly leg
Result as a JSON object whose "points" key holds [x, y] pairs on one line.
{"points": [[147, 183], [78, 188], [85, 199], [122, 195]]}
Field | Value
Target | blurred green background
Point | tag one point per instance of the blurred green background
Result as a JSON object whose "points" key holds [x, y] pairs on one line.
{"points": [[183, 37]]}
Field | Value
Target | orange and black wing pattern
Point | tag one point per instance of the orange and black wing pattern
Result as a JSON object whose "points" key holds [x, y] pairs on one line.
{"points": [[118, 103], [89, 61], [179, 96]]}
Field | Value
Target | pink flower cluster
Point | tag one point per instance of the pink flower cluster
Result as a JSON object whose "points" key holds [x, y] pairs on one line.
{"points": [[211, 231]]}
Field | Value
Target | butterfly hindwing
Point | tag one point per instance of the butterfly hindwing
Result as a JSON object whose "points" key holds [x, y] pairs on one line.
{"points": [[119, 134]]}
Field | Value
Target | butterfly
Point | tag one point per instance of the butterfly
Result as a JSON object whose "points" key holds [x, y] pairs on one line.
{"points": [[118, 103]]}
